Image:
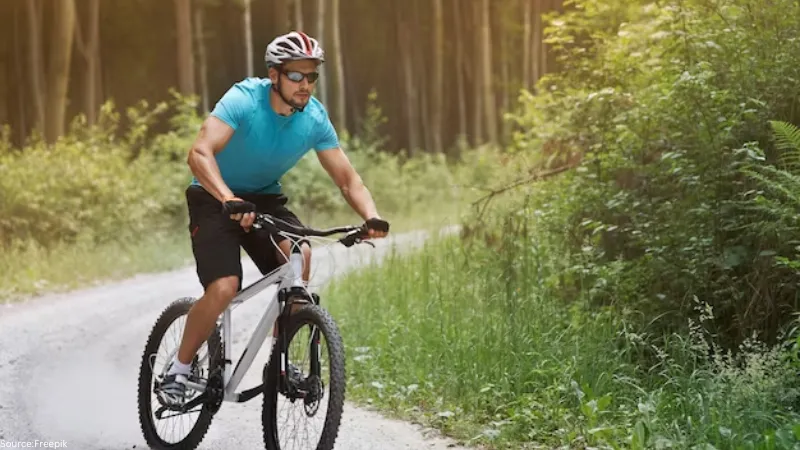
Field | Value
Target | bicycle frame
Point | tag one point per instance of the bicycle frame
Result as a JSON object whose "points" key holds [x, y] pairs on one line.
{"points": [[286, 276]]}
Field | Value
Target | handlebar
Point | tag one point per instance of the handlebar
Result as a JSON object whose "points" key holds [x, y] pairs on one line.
{"points": [[354, 234]]}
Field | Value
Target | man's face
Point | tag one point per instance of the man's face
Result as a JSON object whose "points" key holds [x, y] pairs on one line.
{"points": [[298, 91]]}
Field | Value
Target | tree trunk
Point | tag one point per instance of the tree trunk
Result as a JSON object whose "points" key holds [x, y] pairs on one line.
{"points": [[536, 60], [422, 83], [298, 15], [505, 74], [341, 95], [19, 50], [488, 89], [183, 15], [7, 74], [438, 75], [36, 62], [88, 47], [526, 43], [320, 29], [478, 81], [462, 104], [248, 38], [409, 88], [58, 68], [200, 33]]}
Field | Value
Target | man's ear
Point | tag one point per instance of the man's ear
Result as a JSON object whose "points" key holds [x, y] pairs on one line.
{"points": [[273, 74]]}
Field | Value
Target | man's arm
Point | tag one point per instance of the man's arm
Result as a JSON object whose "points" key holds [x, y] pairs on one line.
{"points": [[349, 182], [213, 136]]}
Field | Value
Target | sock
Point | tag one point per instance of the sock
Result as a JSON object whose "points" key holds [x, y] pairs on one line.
{"points": [[179, 367]]}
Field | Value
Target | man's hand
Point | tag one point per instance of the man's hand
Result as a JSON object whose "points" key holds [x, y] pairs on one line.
{"points": [[377, 227], [241, 211]]}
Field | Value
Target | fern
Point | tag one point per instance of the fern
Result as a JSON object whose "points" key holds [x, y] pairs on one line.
{"points": [[787, 138]]}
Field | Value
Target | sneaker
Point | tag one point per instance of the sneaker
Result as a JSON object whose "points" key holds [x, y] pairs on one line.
{"points": [[171, 391]]}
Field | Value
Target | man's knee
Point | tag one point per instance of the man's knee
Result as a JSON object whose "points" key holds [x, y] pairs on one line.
{"points": [[221, 291]]}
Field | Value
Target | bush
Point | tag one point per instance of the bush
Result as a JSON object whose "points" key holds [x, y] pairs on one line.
{"points": [[119, 180], [671, 115], [470, 336], [91, 183]]}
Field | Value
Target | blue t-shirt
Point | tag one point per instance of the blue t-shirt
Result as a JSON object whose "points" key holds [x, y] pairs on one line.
{"points": [[265, 145]]}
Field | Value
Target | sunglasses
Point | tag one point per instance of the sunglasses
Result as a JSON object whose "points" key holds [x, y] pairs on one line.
{"points": [[298, 76]]}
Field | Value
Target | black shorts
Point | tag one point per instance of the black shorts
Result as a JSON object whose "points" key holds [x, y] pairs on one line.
{"points": [[216, 238]]}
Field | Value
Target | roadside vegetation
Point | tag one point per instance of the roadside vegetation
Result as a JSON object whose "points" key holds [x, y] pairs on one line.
{"points": [[107, 201], [645, 299]]}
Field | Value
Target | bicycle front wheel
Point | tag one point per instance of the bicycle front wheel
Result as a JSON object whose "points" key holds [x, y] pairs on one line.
{"points": [[304, 399], [164, 428]]}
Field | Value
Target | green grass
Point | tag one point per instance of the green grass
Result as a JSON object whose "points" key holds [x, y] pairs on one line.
{"points": [[464, 337], [30, 270]]}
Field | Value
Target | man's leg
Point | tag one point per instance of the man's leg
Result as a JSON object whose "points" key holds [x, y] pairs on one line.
{"points": [[203, 316], [215, 244], [261, 248], [286, 249]]}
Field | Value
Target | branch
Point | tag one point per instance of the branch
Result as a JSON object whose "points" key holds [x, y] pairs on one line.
{"points": [[535, 177]]}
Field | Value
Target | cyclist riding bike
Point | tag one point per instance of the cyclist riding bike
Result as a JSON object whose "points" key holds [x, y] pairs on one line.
{"points": [[258, 130]]}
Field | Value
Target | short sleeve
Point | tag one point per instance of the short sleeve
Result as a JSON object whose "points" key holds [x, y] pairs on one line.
{"points": [[234, 108], [326, 135]]}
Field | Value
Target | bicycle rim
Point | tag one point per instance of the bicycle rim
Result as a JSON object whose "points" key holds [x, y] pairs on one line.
{"points": [[164, 428]]}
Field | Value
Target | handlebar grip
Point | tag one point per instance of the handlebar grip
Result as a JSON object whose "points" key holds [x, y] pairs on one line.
{"points": [[236, 207], [377, 225]]}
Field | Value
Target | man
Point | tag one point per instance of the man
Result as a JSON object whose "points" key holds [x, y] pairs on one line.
{"points": [[255, 134]]}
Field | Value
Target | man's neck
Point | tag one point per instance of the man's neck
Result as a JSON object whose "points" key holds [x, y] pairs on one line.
{"points": [[278, 105]]}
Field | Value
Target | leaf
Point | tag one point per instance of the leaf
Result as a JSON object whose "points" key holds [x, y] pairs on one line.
{"points": [[640, 436]]}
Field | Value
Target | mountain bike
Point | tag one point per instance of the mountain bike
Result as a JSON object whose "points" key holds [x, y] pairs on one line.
{"points": [[302, 381]]}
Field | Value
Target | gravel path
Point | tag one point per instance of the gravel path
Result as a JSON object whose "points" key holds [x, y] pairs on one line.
{"points": [[69, 364]]}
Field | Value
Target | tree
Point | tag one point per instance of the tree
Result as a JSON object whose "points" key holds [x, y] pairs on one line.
{"points": [[526, 43], [58, 67], [438, 75], [460, 67], [320, 28], [36, 62], [340, 97], [410, 90], [202, 55], [490, 110], [183, 17], [477, 84], [298, 15], [89, 48], [248, 37]]}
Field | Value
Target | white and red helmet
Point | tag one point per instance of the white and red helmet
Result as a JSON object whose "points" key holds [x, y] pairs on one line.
{"points": [[292, 47]]}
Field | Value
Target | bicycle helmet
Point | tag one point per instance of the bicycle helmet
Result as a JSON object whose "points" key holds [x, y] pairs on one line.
{"points": [[292, 47]]}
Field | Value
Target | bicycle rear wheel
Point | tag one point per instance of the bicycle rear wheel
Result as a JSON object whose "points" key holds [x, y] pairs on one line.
{"points": [[303, 408], [167, 429]]}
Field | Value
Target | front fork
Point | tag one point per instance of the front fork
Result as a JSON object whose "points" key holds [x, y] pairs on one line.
{"points": [[286, 298]]}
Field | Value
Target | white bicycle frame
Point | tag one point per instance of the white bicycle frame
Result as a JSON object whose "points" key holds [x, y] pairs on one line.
{"points": [[286, 276]]}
